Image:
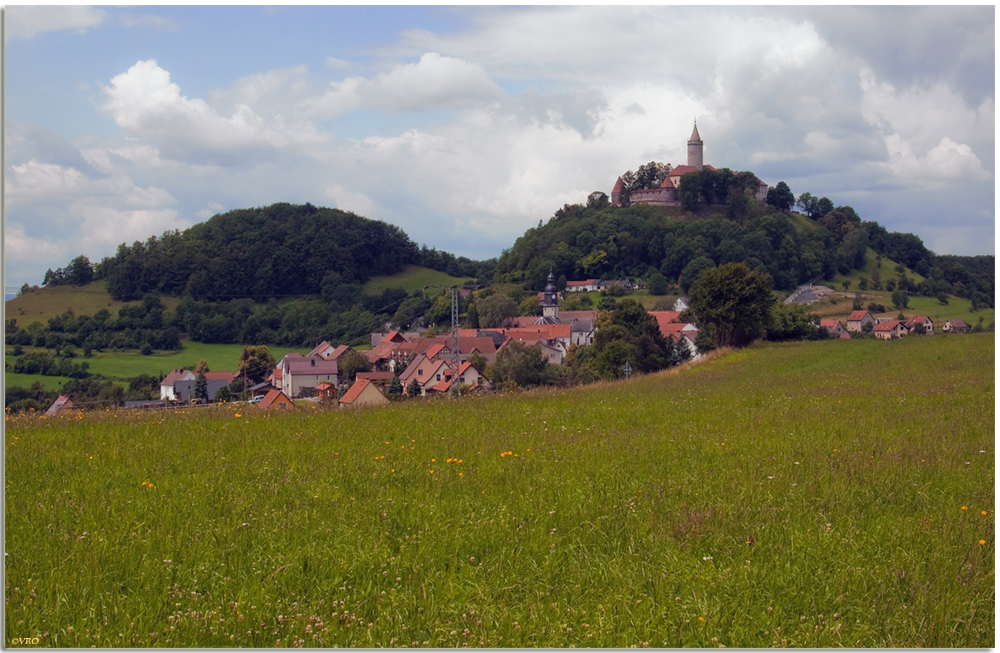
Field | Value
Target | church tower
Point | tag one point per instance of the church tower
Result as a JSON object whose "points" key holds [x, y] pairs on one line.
{"points": [[695, 145], [550, 298]]}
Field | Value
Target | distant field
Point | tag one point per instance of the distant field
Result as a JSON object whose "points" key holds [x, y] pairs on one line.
{"points": [[412, 278], [930, 306], [830, 494], [26, 380], [127, 364], [45, 303]]}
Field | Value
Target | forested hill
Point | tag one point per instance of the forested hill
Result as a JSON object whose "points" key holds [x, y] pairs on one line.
{"points": [[272, 251], [601, 241]]}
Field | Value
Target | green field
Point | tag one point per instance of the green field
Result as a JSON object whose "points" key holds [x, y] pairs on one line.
{"points": [[123, 365], [838, 493], [411, 279], [45, 303]]}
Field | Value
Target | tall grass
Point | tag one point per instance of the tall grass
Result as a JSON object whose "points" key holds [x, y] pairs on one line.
{"points": [[821, 494]]}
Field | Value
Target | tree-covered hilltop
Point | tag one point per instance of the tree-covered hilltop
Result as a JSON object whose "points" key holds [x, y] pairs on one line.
{"points": [[282, 249], [273, 251], [601, 241]]}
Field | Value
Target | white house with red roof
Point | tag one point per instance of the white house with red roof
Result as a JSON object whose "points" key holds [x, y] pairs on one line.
{"points": [[890, 330], [835, 327], [921, 320], [858, 319], [167, 384]]}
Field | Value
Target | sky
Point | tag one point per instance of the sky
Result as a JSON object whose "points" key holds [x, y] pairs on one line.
{"points": [[466, 125]]}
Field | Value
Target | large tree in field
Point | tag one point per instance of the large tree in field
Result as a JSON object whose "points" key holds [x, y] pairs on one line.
{"points": [[735, 300]]}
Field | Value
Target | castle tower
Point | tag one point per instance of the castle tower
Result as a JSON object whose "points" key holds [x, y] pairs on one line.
{"points": [[550, 298], [695, 145]]}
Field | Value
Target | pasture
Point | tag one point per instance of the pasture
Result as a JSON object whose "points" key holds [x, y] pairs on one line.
{"points": [[838, 493]]}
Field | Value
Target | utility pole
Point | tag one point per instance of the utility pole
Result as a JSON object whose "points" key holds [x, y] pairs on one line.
{"points": [[453, 339], [454, 343]]}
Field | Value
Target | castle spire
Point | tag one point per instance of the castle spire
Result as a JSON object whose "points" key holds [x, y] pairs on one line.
{"points": [[695, 147]]}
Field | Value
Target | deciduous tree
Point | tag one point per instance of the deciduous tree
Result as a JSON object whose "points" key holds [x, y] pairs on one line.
{"points": [[735, 300]]}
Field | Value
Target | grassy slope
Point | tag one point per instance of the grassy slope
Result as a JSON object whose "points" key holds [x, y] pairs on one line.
{"points": [[45, 303], [127, 364], [412, 278], [811, 494]]}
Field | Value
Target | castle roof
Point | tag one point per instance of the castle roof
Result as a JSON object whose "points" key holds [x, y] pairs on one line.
{"points": [[695, 136]]}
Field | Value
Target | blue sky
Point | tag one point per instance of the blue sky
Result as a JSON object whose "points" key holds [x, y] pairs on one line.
{"points": [[466, 125]]}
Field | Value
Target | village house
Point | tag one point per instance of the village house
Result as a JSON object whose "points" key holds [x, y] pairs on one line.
{"points": [[167, 384], [299, 373], [62, 403], [835, 327], [587, 285], [363, 393], [890, 330], [276, 399], [184, 389], [329, 352], [955, 326], [922, 320], [858, 319]]}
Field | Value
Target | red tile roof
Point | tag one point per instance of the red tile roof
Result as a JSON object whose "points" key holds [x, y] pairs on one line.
{"points": [[857, 316], [887, 325], [271, 397], [355, 390]]}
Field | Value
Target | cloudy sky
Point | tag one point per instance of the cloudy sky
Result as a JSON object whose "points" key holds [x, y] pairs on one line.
{"points": [[466, 125]]}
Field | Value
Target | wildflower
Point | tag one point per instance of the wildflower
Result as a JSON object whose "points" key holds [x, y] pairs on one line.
{"points": [[982, 542], [984, 512], [701, 618], [965, 507]]}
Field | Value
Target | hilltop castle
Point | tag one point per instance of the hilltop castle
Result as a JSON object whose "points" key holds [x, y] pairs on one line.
{"points": [[669, 194]]}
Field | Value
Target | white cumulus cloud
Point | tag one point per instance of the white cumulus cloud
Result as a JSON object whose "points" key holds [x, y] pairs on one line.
{"points": [[144, 102]]}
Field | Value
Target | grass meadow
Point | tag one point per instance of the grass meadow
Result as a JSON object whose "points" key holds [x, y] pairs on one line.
{"points": [[830, 494], [411, 279]]}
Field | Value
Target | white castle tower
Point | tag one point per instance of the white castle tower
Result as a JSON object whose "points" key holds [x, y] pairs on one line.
{"points": [[695, 146]]}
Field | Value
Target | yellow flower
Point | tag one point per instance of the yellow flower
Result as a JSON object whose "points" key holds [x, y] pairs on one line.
{"points": [[701, 618], [984, 512], [965, 507], [982, 542]]}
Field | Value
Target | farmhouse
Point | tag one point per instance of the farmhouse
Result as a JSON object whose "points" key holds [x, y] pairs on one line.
{"points": [[955, 326], [890, 330], [363, 393], [276, 399], [920, 320], [835, 327], [858, 319], [299, 372], [63, 402]]}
